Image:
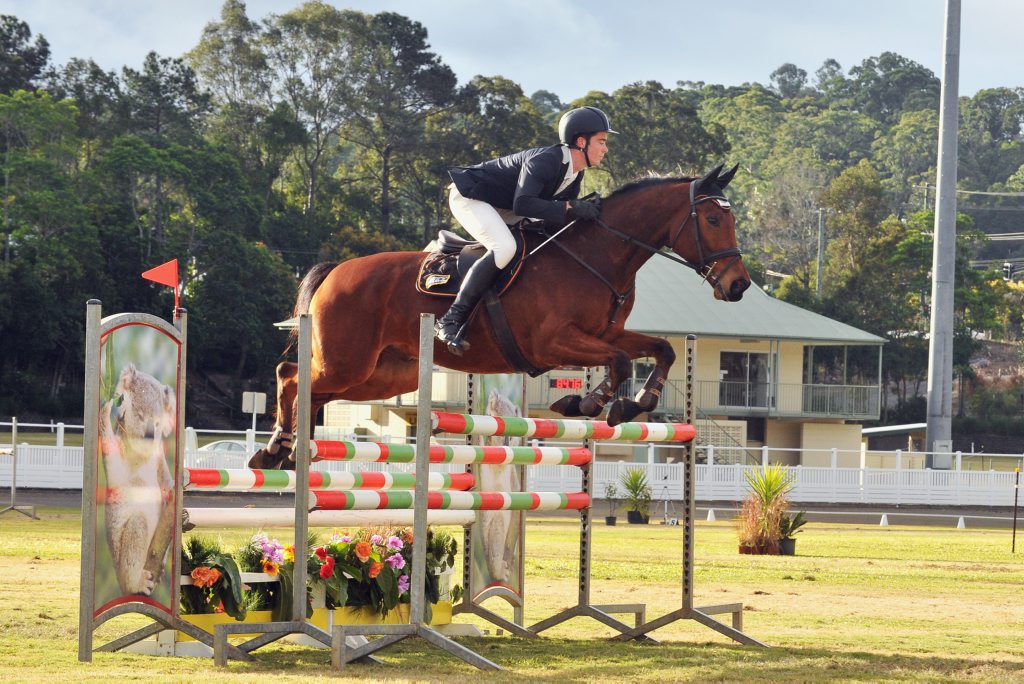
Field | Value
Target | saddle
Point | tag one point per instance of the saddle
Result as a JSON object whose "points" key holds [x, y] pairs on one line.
{"points": [[441, 273], [442, 270]]}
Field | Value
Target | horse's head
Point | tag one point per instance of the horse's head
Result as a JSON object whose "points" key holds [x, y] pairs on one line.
{"points": [[710, 243]]}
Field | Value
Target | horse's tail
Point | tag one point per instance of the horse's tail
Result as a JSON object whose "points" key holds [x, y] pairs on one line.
{"points": [[313, 279]]}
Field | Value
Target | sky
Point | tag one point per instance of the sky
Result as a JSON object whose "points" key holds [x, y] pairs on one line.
{"points": [[570, 47]]}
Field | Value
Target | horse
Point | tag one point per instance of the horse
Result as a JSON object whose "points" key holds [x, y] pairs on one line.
{"points": [[568, 307]]}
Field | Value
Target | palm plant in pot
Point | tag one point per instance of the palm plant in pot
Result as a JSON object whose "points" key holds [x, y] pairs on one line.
{"points": [[759, 524], [637, 495], [611, 495]]}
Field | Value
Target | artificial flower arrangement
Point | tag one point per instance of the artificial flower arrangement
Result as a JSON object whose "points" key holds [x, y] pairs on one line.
{"points": [[371, 567], [216, 583]]}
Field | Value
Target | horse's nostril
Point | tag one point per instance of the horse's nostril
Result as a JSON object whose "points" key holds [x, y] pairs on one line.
{"points": [[738, 287]]}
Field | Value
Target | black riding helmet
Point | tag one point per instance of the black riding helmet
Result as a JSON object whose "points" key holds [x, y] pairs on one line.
{"points": [[583, 121]]}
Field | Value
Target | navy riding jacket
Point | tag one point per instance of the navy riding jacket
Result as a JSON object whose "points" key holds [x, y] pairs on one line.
{"points": [[524, 182]]}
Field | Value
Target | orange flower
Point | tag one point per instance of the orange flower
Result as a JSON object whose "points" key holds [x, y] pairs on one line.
{"points": [[407, 536], [289, 553], [375, 568], [205, 577], [363, 550], [270, 568]]}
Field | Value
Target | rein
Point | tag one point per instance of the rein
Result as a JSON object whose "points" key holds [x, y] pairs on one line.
{"points": [[703, 267]]}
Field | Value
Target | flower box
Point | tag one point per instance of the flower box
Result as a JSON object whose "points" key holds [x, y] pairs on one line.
{"points": [[323, 618]]}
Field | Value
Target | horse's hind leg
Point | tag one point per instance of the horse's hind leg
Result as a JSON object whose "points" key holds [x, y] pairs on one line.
{"points": [[278, 451]]}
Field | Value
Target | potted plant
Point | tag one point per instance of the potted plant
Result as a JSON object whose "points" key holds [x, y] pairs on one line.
{"points": [[760, 520], [789, 526], [611, 495], [637, 495]]}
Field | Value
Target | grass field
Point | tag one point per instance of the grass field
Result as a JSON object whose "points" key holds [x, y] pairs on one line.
{"points": [[858, 603]]}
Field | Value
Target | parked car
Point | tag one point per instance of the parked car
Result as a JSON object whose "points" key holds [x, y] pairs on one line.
{"points": [[230, 445], [223, 453]]}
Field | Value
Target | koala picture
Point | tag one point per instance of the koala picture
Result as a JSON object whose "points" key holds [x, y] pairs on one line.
{"points": [[499, 528], [140, 487]]}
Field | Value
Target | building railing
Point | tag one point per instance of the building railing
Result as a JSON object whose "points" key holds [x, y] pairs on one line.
{"points": [[728, 398]]}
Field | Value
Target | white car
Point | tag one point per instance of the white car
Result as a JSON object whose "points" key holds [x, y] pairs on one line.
{"points": [[224, 453]]}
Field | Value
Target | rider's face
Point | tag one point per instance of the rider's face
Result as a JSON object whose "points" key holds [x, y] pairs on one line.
{"points": [[598, 148]]}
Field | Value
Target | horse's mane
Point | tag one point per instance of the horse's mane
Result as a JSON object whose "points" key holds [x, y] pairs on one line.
{"points": [[647, 182]]}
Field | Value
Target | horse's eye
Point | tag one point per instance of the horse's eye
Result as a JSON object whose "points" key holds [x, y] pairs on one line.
{"points": [[713, 220]]}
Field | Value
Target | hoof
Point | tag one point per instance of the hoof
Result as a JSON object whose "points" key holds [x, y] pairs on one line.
{"points": [[264, 460], [568, 406], [623, 411]]}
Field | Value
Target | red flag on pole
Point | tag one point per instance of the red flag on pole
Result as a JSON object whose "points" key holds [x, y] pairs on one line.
{"points": [[165, 274]]}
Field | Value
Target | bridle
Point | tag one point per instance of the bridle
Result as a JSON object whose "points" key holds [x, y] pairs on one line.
{"points": [[704, 266], [706, 262]]}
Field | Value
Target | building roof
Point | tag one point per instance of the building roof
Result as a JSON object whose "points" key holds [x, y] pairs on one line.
{"points": [[673, 300]]}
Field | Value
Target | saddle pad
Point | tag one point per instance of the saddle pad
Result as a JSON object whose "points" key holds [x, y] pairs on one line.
{"points": [[439, 272]]}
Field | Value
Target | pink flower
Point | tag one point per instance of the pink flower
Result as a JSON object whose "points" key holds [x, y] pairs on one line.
{"points": [[376, 539], [403, 584], [395, 544], [396, 562]]}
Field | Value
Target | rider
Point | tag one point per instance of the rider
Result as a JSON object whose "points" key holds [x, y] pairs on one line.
{"points": [[540, 183]]}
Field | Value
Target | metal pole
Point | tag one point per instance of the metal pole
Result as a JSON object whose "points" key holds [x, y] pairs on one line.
{"points": [[1016, 490], [91, 415], [303, 422], [821, 250], [940, 346], [417, 602]]}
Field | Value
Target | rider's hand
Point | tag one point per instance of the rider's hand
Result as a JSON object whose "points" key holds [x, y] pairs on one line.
{"points": [[586, 209]]}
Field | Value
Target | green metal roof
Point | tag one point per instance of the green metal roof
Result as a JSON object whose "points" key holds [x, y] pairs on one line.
{"points": [[673, 300]]}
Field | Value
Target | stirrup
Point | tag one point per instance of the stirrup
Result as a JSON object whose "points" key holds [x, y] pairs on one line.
{"points": [[455, 342]]}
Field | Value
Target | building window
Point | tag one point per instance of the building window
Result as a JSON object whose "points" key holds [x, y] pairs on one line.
{"points": [[744, 378]]}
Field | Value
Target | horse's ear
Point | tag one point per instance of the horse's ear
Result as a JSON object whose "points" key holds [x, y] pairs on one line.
{"points": [[710, 178], [723, 180]]}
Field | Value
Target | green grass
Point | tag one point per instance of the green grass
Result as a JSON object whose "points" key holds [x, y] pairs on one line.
{"points": [[859, 603]]}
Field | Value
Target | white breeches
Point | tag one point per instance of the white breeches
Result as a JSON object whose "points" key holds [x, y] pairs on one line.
{"points": [[486, 224]]}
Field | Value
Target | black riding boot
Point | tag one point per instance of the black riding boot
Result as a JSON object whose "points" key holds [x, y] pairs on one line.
{"points": [[450, 328]]}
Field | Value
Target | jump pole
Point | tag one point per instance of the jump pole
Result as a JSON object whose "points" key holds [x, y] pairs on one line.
{"points": [[272, 631], [687, 611], [341, 653]]}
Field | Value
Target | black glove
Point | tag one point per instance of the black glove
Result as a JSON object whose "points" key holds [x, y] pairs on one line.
{"points": [[585, 209]]}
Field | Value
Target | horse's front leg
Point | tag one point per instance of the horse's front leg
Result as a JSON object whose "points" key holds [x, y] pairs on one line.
{"points": [[278, 452], [646, 400], [593, 403]]}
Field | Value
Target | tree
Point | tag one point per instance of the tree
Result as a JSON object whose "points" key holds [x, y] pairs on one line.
{"points": [[313, 69], [884, 87], [97, 95], [788, 80], [858, 205], [906, 154], [401, 84], [21, 63], [548, 105]]}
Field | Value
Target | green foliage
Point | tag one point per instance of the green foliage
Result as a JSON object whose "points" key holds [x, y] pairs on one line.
{"points": [[201, 555], [637, 491], [790, 525], [761, 515]]}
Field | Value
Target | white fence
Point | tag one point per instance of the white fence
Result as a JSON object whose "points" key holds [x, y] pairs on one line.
{"points": [[53, 467]]}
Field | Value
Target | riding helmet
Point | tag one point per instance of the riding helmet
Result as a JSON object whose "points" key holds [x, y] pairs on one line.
{"points": [[582, 121]]}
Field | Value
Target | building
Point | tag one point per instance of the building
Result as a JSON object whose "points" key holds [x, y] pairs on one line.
{"points": [[767, 373]]}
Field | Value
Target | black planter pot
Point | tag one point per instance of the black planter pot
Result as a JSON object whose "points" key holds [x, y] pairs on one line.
{"points": [[609, 520], [787, 546], [636, 518]]}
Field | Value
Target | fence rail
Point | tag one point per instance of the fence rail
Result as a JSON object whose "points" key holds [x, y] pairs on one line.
{"points": [[52, 467]]}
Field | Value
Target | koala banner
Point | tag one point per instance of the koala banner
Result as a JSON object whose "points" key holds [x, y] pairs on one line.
{"points": [[135, 484], [497, 536]]}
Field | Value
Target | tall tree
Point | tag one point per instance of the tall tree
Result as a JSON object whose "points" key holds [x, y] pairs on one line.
{"points": [[22, 61], [310, 54], [401, 84]]}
